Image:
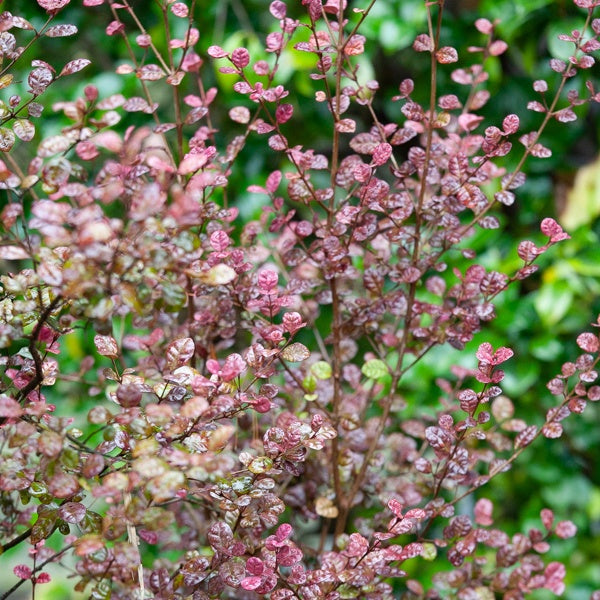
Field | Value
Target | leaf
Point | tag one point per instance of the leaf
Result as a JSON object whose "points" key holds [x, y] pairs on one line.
{"points": [[240, 57], [498, 47], [179, 9], [374, 369], [324, 507], [284, 113], [135, 104], [60, 31], [346, 126], [88, 544], [150, 72], [552, 430], [422, 43], [6, 80], [74, 66], [220, 536], [364, 143], [446, 55], [273, 181], [53, 5], [9, 407], [321, 370], [7, 139], [502, 408], [180, 351], [295, 352], [216, 52], [44, 525], [510, 124], [239, 114], [13, 253], [106, 345], [165, 486], [261, 464], [526, 436], [218, 275], [39, 79], [505, 197], [483, 512], [24, 129], [72, 512], [381, 154], [588, 342]]}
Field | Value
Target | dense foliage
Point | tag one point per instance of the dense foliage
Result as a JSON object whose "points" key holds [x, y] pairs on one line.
{"points": [[247, 376]]}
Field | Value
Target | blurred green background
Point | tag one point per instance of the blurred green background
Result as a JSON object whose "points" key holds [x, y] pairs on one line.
{"points": [[539, 318]]}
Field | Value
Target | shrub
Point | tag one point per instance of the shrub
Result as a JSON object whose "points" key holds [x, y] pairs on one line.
{"points": [[246, 433]]}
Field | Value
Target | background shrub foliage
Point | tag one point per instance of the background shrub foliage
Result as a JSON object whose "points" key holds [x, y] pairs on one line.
{"points": [[263, 271]]}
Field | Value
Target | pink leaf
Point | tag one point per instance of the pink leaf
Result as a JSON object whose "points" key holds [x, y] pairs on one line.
{"points": [[60, 31], [43, 578], [505, 197], [547, 517], [284, 113], [278, 9], [510, 124], [106, 345], [536, 106], [9, 407], [251, 583], [179, 352], [273, 181], [566, 115], [553, 230], [240, 57], [423, 43], [22, 571], [53, 5], [498, 47], [382, 154], [484, 26], [216, 52], [446, 55], [526, 436], [179, 9], [552, 430], [277, 142], [566, 529], [588, 342], [483, 511], [13, 253], [74, 66]]}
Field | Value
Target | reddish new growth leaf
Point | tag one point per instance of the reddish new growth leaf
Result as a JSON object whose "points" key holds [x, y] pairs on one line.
{"points": [[553, 230], [240, 57], [446, 55], [22, 572], [486, 354], [423, 43], [484, 26], [53, 5], [106, 345], [588, 342]]}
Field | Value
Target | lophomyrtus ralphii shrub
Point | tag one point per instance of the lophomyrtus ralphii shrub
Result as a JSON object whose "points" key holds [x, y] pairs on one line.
{"points": [[246, 434]]}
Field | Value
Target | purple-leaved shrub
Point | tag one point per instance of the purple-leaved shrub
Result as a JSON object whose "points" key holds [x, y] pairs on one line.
{"points": [[246, 387]]}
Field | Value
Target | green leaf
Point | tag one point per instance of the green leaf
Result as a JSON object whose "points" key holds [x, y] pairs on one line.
{"points": [[321, 370], [309, 383], [260, 465], [429, 551], [374, 369]]}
